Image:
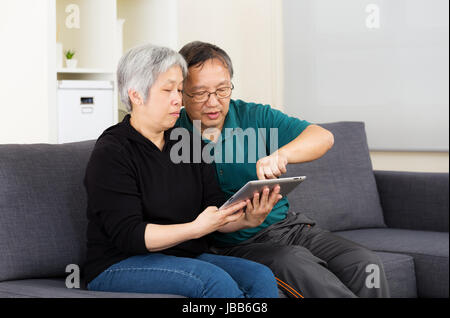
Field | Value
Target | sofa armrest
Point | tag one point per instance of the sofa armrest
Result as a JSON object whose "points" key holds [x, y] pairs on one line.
{"points": [[414, 200]]}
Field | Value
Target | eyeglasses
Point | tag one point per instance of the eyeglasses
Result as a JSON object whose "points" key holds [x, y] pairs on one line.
{"points": [[203, 96]]}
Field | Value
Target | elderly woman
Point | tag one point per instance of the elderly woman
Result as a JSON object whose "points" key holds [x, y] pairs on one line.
{"points": [[148, 216]]}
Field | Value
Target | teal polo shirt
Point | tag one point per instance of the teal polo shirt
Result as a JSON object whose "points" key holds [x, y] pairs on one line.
{"points": [[250, 132]]}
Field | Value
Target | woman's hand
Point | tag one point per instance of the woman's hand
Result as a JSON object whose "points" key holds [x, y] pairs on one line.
{"points": [[212, 219], [161, 237], [258, 209]]}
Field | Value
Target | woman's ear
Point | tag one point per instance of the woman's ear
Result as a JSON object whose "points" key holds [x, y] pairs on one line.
{"points": [[135, 97]]}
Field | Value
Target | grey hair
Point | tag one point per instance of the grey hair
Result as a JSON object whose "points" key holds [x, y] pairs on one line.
{"points": [[140, 67]]}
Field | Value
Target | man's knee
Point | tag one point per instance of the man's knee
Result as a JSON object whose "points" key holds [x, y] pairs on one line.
{"points": [[362, 271], [362, 257], [301, 274]]}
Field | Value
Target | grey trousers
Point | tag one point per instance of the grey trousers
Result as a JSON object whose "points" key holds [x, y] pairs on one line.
{"points": [[309, 262]]}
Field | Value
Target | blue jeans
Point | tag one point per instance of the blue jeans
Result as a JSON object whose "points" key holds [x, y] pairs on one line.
{"points": [[208, 275]]}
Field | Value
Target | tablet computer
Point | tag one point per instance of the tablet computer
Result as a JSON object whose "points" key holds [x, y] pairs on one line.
{"points": [[251, 187]]}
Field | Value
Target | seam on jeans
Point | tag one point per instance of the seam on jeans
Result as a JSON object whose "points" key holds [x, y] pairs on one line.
{"points": [[161, 270], [245, 291]]}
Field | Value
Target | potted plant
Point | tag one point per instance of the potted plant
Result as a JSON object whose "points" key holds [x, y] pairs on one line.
{"points": [[70, 61]]}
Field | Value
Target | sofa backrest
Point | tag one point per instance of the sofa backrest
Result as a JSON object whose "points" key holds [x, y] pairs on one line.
{"points": [[43, 199], [42, 209], [340, 191]]}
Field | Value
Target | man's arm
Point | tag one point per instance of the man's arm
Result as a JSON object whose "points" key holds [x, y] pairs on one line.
{"points": [[310, 145]]}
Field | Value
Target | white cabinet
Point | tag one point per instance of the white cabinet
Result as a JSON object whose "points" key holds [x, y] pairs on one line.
{"points": [[84, 109]]}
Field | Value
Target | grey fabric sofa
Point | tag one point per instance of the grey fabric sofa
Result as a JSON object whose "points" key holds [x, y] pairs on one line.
{"points": [[402, 216]]}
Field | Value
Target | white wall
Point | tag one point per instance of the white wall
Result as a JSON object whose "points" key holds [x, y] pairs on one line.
{"points": [[393, 77], [410, 161], [25, 67], [250, 32], [147, 21]]}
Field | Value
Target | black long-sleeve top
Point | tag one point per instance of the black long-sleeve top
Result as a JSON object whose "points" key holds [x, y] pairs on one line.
{"points": [[130, 182]]}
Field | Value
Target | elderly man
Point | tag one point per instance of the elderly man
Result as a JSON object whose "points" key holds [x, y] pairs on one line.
{"points": [[306, 260]]}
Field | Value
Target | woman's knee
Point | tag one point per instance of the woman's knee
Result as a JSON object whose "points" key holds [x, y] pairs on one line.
{"points": [[254, 278], [264, 274], [261, 283], [217, 283]]}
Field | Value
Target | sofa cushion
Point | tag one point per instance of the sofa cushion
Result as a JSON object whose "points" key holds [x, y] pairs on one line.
{"points": [[340, 192], [430, 251], [414, 200], [400, 274], [42, 208], [56, 288]]}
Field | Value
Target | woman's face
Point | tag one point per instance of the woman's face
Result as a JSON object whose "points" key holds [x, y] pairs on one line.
{"points": [[162, 108]]}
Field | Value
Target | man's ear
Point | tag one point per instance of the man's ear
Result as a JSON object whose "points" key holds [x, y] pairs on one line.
{"points": [[135, 97]]}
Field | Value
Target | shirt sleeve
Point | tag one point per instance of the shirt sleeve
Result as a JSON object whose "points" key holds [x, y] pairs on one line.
{"points": [[114, 199], [287, 128]]}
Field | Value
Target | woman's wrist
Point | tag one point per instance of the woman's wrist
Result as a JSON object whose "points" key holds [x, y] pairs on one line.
{"points": [[196, 230]]}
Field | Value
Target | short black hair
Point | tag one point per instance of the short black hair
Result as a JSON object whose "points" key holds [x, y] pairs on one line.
{"points": [[197, 53]]}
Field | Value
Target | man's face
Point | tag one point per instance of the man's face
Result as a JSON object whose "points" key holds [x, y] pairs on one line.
{"points": [[211, 76]]}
